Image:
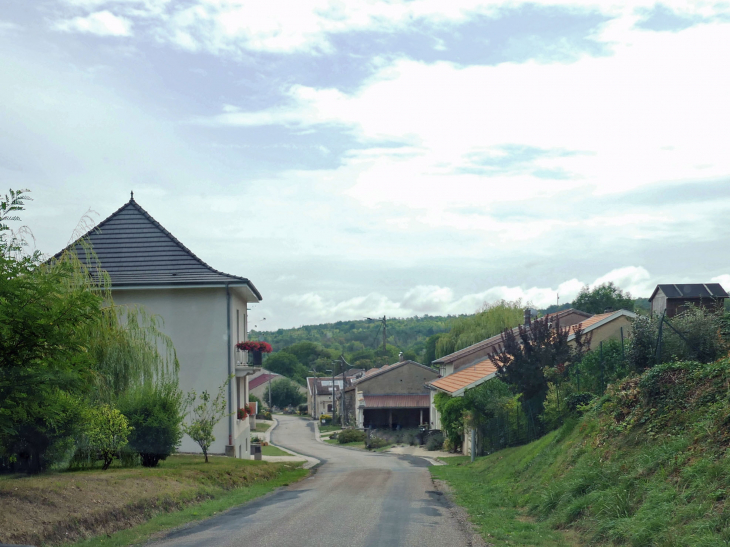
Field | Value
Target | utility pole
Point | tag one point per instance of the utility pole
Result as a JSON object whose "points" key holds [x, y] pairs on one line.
{"points": [[384, 322]]}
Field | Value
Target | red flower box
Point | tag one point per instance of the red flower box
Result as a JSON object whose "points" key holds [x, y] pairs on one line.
{"points": [[244, 412], [262, 347]]}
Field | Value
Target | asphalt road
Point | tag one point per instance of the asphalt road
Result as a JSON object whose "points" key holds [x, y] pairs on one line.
{"points": [[355, 498]]}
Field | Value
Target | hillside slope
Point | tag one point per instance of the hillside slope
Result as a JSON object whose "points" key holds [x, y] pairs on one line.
{"points": [[647, 465]]}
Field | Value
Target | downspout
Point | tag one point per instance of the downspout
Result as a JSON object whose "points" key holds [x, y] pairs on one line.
{"points": [[230, 367]]}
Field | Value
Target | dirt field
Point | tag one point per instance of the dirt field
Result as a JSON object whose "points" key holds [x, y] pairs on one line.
{"points": [[60, 507]]}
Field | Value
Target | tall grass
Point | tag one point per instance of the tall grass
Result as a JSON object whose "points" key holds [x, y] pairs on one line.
{"points": [[648, 466]]}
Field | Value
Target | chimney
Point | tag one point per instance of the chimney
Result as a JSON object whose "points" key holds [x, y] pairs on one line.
{"points": [[528, 316], [400, 357]]}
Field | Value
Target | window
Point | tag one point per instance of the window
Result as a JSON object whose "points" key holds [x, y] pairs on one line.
{"points": [[329, 408]]}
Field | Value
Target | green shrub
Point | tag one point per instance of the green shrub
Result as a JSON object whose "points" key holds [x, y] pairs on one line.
{"points": [[435, 441], [156, 415], [575, 401], [350, 436], [377, 442], [107, 433]]}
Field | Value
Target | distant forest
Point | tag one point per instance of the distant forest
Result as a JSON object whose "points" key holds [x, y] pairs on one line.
{"points": [[362, 340], [314, 349]]}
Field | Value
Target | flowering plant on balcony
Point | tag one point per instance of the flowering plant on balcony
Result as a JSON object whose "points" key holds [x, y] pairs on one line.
{"points": [[244, 412], [262, 347]]}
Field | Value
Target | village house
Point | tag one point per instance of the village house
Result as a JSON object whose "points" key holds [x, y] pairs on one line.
{"points": [[258, 383], [391, 396], [602, 327], [676, 298], [203, 309], [319, 391]]}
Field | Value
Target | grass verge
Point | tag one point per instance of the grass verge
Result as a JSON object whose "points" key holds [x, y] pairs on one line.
{"points": [[490, 500], [648, 465], [61, 507], [166, 521], [270, 450]]}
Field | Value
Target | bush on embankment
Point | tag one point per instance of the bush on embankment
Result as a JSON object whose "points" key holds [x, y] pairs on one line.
{"points": [[647, 465]]}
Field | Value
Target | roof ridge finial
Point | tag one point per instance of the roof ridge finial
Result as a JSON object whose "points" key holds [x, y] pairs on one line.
{"points": [[131, 196]]}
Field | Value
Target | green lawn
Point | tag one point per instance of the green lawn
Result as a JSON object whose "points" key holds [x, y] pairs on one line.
{"points": [[260, 428], [328, 428], [271, 450]]}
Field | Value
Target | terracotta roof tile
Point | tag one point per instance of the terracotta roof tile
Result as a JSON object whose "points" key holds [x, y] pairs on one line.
{"points": [[465, 377]]}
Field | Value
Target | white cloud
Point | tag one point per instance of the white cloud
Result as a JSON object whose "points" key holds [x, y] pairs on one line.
{"points": [[723, 280], [606, 124], [229, 27], [633, 279], [436, 300], [7, 27], [100, 23]]}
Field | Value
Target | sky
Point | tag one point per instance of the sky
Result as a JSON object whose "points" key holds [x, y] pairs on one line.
{"points": [[378, 157]]}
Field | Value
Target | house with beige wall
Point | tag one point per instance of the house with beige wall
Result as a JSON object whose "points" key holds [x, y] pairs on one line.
{"points": [[602, 327], [391, 396], [204, 311]]}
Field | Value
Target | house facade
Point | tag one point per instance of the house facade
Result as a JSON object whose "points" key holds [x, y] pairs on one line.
{"points": [[320, 392], [391, 396], [602, 327], [449, 364], [204, 311], [676, 298]]}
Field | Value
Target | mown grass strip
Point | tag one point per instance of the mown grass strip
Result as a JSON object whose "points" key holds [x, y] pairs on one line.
{"points": [[167, 521], [271, 450], [490, 502]]}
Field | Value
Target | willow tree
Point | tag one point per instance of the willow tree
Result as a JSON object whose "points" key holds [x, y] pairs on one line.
{"points": [[489, 321], [126, 342]]}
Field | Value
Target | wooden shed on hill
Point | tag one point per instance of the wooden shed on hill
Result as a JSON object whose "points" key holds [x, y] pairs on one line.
{"points": [[676, 298]]}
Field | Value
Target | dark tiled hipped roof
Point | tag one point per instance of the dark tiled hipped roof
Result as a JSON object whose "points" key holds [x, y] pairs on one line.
{"points": [[691, 290], [136, 250]]}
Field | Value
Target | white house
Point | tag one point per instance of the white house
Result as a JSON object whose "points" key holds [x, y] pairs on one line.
{"points": [[204, 310]]}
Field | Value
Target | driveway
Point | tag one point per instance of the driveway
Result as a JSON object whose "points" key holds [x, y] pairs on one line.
{"points": [[355, 498]]}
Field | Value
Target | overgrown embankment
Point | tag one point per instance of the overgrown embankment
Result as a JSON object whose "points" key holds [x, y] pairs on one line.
{"points": [[55, 508], [648, 464]]}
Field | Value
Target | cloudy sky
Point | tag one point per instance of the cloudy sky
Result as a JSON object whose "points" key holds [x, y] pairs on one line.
{"points": [[383, 157]]}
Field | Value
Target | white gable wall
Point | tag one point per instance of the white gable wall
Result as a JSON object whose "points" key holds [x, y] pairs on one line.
{"points": [[195, 319]]}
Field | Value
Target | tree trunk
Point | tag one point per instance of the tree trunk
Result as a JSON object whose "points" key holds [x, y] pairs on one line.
{"points": [[205, 453]]}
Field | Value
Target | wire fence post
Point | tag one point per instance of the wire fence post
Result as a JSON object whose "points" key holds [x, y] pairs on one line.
{"points": [[623, 354], [603, 384]]}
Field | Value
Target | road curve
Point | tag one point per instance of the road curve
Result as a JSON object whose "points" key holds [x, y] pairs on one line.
{"points": [[355, 499]]}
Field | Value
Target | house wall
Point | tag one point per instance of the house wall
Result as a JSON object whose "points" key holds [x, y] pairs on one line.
{"points": [[406, 379], [658, 303], [610, 331], [479, 354], [195, 320], [435, 417], [679, 305]]}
